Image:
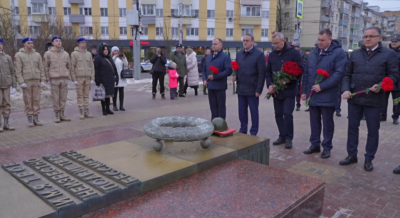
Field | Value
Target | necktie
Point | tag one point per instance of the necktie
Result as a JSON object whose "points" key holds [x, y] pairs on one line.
{"points": [[369, 52], [215, 54]]}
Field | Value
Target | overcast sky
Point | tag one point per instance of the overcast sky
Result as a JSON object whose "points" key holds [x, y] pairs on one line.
{"points": [[385, 5]]}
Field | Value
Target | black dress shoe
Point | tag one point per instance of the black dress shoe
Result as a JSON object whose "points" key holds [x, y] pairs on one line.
{"points": [[115, 108], [349, 160], [397, 170], [326, 154], [338, 114], [311, 150], [383, 119], [181, 95], [205, 93], [279, 141], [298, 109], [307, 110], [109, 112], [396, 121], [288, 144], [368, 165]]}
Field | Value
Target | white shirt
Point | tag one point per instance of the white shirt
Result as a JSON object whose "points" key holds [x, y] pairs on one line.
{"points": [[249, 49], [325, 49], [373, 48]]}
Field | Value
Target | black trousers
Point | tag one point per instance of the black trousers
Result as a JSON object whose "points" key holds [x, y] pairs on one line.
{"points": [[246, 102], [158, 77], [284, 117], [326, 113], [298, 96], [373, 124], [396, 108], [181, 85], [217, 101], [121, 96]]}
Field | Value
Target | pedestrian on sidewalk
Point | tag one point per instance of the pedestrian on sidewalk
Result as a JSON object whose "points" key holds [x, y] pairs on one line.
{"points": [[181, 67], [250, 77], [284, 101], [82, 73], [106, 75], [366, 68], [217, 82], [57, 68], [192, 79], [29, 70], [121, 63], [7, 80], [330, 57], [203, 60], [173, 80], [158, 60]]}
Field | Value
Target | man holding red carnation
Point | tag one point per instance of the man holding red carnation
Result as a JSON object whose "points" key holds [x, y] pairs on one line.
{"points": [[321, 83], [367, 68], [250, 77], [284, 100]]}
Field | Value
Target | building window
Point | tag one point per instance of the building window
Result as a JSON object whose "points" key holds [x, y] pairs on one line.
{"points": [[148, 10], [286, 15], [195, 13], [34, 30], [52, 11], [229, 13], [337, 17], [122, 31], [251, 11], [174, 12], [159, 12], [187, 10], [122, 12], [104, 30], [159, 31], [85, 11], [264, 32], [145, 31], [67, 11], [210, 31], [229, 32], [247, 31], [86, 30], [265, 14], [210, 14], [104, 12], [287, 2], [29, 11], [16, 10], [19, 29], [174, 31], [39, 8], [192, 31]]}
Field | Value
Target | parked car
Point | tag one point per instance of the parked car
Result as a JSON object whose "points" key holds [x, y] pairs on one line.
{"points": [[147, 65], [199, 57]]}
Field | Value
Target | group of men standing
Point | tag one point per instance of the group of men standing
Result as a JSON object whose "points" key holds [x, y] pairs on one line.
{"points": [[54, 71]]}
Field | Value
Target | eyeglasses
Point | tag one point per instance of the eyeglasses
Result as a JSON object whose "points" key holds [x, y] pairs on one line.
{"points": [[370, 37]]}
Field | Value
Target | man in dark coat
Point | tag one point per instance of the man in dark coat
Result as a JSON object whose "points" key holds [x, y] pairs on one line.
{"points": [[304, 57], [158, 60], [250, 82], [395, 45], [284, 100], [366, 69], [203, 60], [217, 83], [181, 67], [330, 57]]}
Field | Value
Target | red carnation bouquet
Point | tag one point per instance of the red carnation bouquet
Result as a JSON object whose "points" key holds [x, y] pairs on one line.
{"points": [[386, 85], [290, 71], [235, 67], [213, 70], [321, 75]]}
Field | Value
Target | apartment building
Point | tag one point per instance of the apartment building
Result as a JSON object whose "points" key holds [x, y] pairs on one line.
{"points": [[393, 22], [203, 20]]}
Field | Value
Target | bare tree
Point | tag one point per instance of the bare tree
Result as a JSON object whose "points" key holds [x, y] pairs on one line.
{"points": [[168, 40], [279, 16], [10, 31]]}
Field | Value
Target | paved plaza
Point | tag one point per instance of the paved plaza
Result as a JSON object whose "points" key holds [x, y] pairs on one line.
{"points": [[350, 191]]}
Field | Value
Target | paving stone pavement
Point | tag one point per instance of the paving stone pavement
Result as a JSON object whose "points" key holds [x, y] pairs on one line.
{"points": [[350, 191]]}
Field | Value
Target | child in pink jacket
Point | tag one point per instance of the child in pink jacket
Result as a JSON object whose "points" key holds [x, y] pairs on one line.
{"points": [[173, 80]]}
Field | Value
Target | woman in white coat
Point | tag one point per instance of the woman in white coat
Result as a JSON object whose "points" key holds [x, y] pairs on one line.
{"points": [[120, 63], [193, 72]]}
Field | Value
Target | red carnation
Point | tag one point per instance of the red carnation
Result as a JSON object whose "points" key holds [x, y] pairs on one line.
{"points": [[323, 73], [235, 65], [292, 68], [214, 70], [387, 84]]}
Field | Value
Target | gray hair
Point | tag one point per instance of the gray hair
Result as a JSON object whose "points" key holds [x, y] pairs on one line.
{"points": [[189, 50], [377, 29], [278, 34]]}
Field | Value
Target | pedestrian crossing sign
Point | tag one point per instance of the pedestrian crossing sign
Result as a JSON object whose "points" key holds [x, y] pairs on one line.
{"points": [[299, 11], [355, 45]]}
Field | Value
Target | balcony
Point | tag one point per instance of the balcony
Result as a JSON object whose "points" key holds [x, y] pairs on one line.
{"points": [[148, 2], [367, 19], [324, 19], [251, 2], [343, 23], [355, 37], [390, 29], [187, 2], [392, 18], [355, 14], [77, 18], [76, 1], [39, 1], [343, 34], [355, 26], [344, 10], [149, 19], [250, 21], [40, 18], [187, 21], [325, 3]]}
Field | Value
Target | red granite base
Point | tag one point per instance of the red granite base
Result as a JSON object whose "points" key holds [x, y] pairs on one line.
{"points": [[236, 189]]}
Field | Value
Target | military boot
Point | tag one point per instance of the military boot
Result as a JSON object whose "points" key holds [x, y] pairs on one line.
{"points": [[30, 121], [82, 116], [87, 114], [57, 117], [36, 120], [7, 125], [63, 117]]}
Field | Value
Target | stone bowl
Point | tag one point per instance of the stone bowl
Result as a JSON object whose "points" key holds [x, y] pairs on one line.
{"points": [[179, 129]]}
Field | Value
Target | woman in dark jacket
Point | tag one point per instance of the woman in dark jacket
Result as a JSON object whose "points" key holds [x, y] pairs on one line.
{"points": [[105, 74], [158, 60]]}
